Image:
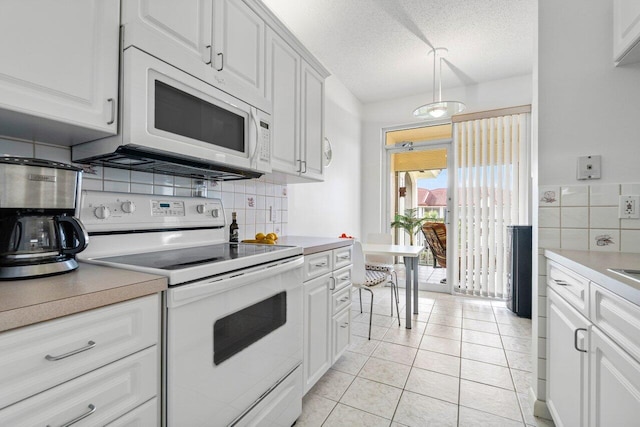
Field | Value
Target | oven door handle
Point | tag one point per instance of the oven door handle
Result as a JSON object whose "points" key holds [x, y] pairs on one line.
{"points": [[182, 295]]}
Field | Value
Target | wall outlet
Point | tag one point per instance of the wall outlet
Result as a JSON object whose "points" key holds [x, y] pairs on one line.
{"points": [[589, 167], [629, 207]]}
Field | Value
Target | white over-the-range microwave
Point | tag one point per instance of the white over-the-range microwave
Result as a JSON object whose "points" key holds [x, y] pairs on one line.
{"points": [[172, 122]]}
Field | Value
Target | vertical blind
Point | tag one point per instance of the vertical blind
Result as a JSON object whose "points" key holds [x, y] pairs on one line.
{"points": [[492, 162]]}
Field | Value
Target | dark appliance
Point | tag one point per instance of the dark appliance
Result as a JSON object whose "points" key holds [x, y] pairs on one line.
{"points": [[39, 236], [519, 247]]}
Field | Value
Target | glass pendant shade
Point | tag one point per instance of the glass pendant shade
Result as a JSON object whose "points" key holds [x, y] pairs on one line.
{"points": [[438, 109]]}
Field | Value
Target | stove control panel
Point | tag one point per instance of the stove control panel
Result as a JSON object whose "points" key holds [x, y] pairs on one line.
{"points": [[108, 211]]}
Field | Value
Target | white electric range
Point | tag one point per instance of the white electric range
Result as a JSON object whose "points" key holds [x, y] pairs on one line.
{"points": [[232, 321]]}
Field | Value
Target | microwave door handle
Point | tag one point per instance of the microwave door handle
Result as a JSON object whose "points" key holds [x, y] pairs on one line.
{"points": [[256, 122]]}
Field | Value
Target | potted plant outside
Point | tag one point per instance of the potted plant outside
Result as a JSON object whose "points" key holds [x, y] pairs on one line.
{"points": [[409, 222]]}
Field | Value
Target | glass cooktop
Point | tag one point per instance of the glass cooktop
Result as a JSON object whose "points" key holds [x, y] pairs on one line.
{"points": [[189, 257]]}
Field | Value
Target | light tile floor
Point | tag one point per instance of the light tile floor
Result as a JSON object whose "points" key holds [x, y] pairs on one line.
{"points": [[465, 363]]}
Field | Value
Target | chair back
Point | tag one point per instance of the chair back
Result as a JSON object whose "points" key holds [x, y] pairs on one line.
{"points": [[357, 268], [436, 235], [380, 238]]}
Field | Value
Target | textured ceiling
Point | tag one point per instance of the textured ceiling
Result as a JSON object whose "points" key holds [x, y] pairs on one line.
{"points": [[378, 48]]}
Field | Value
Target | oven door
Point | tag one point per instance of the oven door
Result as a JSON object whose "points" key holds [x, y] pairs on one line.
{"points": [[169, 111], [231, 342]]}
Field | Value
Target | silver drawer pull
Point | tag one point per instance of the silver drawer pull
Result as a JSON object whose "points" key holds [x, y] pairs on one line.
{"points": [[322, 264], [89, 346], [92, 409], [344, 325], [343, 257], [344, 299], [560, 282], [345, 278]]}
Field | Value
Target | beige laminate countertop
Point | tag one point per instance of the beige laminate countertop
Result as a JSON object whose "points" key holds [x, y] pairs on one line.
{"points": [[593, 265], [24, 302], [311, 245]]}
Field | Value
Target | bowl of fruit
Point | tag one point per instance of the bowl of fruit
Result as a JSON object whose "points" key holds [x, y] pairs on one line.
{"points": [[265, 239]]}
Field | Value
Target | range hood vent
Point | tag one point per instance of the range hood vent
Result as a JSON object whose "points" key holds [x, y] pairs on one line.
{"points": [[133, 158]]}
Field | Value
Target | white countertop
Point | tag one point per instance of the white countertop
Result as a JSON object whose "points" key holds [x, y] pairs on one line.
{"points": [[593, 265]]}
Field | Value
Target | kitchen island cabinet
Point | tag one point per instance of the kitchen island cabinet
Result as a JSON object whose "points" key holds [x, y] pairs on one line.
{"points": [[59, 69], [593, 340]]}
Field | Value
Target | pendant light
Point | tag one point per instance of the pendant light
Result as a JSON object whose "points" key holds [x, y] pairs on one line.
{"points": [[438, 109]]}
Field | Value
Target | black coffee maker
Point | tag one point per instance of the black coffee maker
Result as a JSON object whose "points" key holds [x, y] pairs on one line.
{"points": [[39, 236]]}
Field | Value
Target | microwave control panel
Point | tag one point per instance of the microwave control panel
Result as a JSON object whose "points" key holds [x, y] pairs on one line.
{"points": [[265, 142]]}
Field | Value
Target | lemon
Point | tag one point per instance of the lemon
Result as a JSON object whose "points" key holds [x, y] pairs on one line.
{"points": [[260, 236], [272, 236], [268, 241]]}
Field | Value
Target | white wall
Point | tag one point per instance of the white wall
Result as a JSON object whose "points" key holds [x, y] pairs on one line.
{"points": [[485, 96], [587, 106], [332, 207]]}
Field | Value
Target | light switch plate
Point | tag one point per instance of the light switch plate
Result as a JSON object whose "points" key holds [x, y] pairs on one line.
{"points": [[629, 207], [589, 167]]}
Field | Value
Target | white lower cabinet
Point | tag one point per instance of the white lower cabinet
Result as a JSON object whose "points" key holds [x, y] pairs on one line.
{"points": [[91, 368], [593, 368], [327, 314], [147, 414], [567, 365], [615, 384]]}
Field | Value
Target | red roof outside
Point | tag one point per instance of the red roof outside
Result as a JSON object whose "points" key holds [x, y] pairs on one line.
{"points": [[435, 198]]}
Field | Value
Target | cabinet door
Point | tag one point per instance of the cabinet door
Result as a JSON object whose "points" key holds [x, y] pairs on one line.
{"points": [[626, 30], [317, 330], [60, 60], [178, 35], [312, 122], [341, 333], [238, 48], [567, 370], [283, 90], [615, 384]]}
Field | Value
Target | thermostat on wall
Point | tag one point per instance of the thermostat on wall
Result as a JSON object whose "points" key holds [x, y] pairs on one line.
{"points": [[589, 167]]}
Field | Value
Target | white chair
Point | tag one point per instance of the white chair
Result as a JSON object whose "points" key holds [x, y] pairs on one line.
{"points": [[385, 264], [365, 279]]}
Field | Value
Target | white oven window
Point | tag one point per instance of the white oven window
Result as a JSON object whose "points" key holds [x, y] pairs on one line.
{"points": [[238, 330], [183, 114]]}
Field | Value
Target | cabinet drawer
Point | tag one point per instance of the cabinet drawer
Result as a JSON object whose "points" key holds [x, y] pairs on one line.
{"points": [[616, 317], [102, 395], [144, 415], [341, 333], [341, 300], [569, 285], [342, 278], [38, 357], [316, 265], [342, 257]]}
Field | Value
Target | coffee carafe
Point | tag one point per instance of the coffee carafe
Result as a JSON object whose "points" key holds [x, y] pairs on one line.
{"points": [[39, 235]]}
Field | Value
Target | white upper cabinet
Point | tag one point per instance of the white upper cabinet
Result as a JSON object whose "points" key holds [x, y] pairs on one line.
{"points": [[221, 42], [283, 90], [238, 49], [312, 121], [180, 35], [297, 93], [59, 69], [626, 31]]}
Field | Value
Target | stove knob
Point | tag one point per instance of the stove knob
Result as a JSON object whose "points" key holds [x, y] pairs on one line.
{"points": [[200, 209], [102, 212], [128, 207], [214, 213]]}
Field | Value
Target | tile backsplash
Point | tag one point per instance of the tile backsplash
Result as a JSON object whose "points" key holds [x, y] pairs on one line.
{"points": [[261, 204], [585, 217]]}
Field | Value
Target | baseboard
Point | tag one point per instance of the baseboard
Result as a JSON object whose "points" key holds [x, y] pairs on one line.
{"points": [[540, 408]]}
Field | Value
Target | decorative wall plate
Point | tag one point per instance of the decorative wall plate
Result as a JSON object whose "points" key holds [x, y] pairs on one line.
{"points": [[327, 152]]}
